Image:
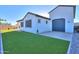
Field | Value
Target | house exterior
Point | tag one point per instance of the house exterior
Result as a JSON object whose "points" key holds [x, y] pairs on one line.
{"points": [[61, 18], [34, 23]]}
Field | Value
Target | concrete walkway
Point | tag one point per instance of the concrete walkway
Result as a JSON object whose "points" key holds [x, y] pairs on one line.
{"points": [[1, 46], [60, 35], [74, 48]]}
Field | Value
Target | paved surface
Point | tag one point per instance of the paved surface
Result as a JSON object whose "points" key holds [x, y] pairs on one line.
{"points": [[74, 48], [1, 48], [60, 35]]}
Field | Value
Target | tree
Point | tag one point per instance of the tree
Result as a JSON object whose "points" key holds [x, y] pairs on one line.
{"points": [[2, 21]]}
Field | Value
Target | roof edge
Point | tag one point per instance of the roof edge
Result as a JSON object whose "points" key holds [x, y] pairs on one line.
{"points": [[19, 20], [38, 15], [33, 14], [62, 6]]}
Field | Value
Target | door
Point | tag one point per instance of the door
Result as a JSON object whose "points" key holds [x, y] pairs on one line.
{"points": [[58, 25]]}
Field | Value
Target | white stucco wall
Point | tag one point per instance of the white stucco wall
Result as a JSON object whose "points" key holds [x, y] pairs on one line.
{"points": [[42, 26], [64, 12], [33, 28]]}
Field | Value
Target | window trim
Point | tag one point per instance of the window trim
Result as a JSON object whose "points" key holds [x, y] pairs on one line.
{"points": [[28, 22]]}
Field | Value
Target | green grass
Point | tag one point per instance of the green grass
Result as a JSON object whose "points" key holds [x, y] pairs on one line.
{"points": [[23, 42]]}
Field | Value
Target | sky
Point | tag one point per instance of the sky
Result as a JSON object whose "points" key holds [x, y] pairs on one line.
{"points": [[12, 13]]}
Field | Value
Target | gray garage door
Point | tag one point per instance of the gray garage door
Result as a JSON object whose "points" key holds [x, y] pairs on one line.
{"points": [[58, 25]]}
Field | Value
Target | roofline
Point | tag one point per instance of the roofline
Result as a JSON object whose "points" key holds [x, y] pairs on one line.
{"points": [[62, 6], [33, 14], [19, 20], [53, 9], [74, 6], [37, 15]]}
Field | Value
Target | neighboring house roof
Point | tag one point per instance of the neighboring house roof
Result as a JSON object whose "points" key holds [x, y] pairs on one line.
{"points": [[35, 15], [74, 7]]}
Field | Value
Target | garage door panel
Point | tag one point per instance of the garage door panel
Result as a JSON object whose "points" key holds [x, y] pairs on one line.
{"points": [[58, 25]]}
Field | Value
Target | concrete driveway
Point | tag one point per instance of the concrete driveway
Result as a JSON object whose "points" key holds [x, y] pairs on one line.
{"points": [[1, 46], [60, 35], [74, 47]]}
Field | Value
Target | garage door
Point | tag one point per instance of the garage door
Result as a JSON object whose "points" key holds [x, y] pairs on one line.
{"points": [[58, 25]]}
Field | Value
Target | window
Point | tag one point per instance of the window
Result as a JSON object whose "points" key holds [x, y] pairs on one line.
{"points": [[28, 23], [39, 20], [21, 24], [46, 22]]}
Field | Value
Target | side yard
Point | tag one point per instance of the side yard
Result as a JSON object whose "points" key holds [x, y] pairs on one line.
{"points": [[24, 42]]}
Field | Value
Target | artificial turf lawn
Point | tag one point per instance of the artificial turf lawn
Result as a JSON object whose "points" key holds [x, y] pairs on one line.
{"points": [[23, 42]]}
